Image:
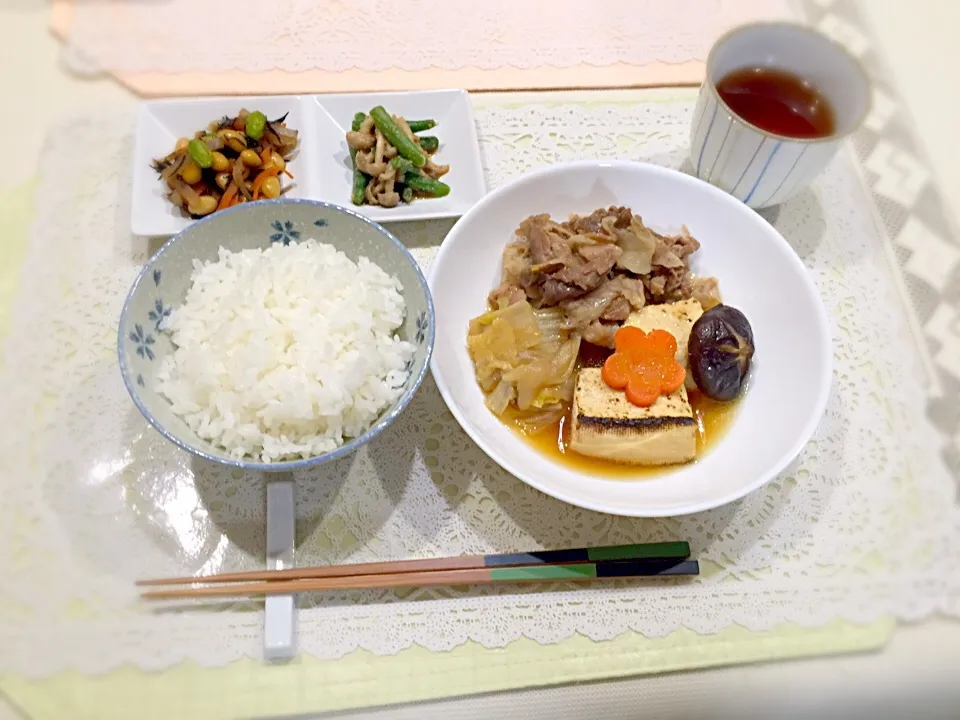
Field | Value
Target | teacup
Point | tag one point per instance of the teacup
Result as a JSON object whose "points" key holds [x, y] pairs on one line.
{"points": [[760, 167]]}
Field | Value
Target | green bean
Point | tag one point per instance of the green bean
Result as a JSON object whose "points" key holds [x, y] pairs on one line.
{"points": [[407, 194], [421, 125], [429, 143], [360, 180], [256, 124], [429, 186], [396, 137], [200, 153], [402, 164], [359, 187]]}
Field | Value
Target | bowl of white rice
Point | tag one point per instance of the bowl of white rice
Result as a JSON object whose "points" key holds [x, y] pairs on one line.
{"points": [[276, 335]]}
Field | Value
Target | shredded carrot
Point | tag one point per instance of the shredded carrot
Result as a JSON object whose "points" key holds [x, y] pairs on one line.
{"points": [[258, 182], [288, 173], [228, 195], [265, 156], [644, 365]]}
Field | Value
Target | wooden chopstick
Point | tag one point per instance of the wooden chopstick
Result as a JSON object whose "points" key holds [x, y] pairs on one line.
{"points": [[577, 572], [643, 551]]}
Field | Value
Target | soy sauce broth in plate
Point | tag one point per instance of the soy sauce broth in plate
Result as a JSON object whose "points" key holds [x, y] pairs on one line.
{"points": [[777, 101]]}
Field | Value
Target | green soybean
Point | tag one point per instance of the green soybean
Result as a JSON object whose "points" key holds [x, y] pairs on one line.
{"points": [[256, 124], [200, 153]]}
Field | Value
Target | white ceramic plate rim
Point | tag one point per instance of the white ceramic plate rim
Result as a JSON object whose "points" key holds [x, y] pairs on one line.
{"points": [[823, 326]]}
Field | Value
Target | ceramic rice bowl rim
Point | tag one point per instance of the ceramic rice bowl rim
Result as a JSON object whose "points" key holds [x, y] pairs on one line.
{"points": [[398, 407], [791, 257]]}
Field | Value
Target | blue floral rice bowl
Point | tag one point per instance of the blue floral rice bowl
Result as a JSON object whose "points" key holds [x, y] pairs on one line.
{"points": [[145, 341]]}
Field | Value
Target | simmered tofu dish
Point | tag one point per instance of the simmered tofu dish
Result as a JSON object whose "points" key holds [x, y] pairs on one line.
{"points": [[601, 346]]}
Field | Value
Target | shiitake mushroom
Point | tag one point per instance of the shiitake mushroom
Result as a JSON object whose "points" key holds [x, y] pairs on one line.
{"points": [[720, 349]]}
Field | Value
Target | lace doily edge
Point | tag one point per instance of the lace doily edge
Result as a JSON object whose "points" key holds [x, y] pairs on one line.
{"points": [[908, 611]]}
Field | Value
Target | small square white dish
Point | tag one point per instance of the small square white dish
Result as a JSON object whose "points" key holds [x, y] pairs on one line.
{"points": [[161, 122], [459, 148]]}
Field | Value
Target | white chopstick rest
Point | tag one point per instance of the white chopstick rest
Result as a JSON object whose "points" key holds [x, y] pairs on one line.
{"points": [[280, 612]]}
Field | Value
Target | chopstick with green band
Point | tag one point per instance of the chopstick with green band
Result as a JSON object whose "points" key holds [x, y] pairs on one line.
{"points": [[585, 571], [666, 550], [576, 572], [642, 551]]}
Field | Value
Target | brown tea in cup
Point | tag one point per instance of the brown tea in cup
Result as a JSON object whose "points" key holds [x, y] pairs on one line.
{"points": [[777, 101]]}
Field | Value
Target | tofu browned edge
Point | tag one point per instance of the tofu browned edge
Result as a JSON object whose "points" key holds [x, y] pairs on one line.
{"points": [[662, 434]]}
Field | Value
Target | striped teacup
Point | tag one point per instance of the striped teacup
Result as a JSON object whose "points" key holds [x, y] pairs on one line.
{"points": [[759, 167]]}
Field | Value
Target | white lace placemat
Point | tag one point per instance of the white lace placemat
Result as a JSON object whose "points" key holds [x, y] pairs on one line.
{"points": [[415, 35], [860, 527]]}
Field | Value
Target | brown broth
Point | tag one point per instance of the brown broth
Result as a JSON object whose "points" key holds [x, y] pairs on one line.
{"points": [[712, 419], [777, 101]]}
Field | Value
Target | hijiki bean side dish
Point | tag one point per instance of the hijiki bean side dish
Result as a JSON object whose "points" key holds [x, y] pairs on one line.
{"points": [[391, 163], [235, 160], [600, 322]]}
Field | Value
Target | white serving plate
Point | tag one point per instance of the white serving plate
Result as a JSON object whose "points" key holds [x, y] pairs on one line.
{"points": [[321, 166], [759, 273]]}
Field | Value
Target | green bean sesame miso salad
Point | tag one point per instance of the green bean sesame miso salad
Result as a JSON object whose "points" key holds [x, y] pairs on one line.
{"points": [[235, 160], [391, 162]]}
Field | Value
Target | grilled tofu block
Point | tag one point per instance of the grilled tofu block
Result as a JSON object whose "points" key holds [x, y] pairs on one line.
{"points": [[677, 319], [607, 425]]}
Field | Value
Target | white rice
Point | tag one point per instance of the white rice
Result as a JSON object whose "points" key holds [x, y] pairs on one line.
{"points": [[285, 352]]}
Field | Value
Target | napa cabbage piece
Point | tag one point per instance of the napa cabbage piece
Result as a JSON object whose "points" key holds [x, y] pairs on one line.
{"points": [[638, 245], [525, 362]]}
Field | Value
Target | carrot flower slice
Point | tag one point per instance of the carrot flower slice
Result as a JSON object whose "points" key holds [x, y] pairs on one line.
{"points": [[629, 339], [616, 371], [644, 365]]}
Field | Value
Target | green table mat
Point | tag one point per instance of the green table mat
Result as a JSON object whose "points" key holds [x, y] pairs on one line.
{"points": [[248, 688]]}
